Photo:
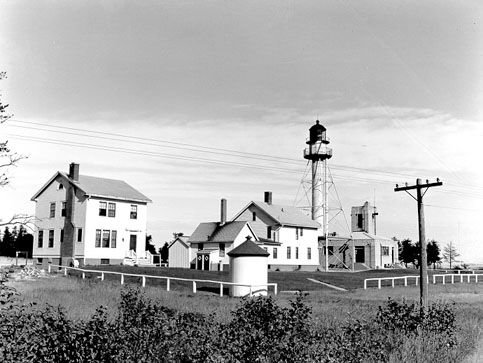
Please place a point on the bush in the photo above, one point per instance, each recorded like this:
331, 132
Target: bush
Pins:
260, 331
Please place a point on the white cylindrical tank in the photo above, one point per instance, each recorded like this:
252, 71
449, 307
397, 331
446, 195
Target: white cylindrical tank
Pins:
249, 267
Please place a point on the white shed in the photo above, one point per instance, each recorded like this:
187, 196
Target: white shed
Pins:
179, 253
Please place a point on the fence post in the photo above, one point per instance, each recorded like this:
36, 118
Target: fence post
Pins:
405, 281
122, 279
444, 279
250, 290
434, 279
275, 288
476, 277
461, 278
452, 278
365, 284
393, 282
167, 284
102, 276
49, 269
221, 290
65, 271
379, 283
83, 276
194, 287
417, 280
143, 279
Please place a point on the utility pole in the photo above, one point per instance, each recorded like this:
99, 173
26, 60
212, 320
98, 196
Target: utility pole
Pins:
423, 262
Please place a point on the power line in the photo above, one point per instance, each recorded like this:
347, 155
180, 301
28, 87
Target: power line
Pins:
187, 146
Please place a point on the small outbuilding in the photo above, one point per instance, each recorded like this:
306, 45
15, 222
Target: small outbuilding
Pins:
249, 268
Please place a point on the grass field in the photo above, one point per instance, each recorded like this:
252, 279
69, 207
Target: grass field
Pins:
287, 281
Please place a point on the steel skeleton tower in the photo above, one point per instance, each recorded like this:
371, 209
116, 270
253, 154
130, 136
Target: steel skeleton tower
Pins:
318, 152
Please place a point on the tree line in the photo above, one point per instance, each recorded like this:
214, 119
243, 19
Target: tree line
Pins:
409, 253
16, 239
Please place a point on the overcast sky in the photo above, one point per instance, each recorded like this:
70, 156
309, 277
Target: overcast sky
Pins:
397, 84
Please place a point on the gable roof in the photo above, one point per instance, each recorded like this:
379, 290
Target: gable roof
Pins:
99, 187
214, 232
283, 215
248, 248
182, 239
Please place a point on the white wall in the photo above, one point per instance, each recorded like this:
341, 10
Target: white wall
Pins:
122, 223
288, 238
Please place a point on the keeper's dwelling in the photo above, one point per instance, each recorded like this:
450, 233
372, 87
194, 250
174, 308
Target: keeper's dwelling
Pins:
90, 219
370, 250
287, 234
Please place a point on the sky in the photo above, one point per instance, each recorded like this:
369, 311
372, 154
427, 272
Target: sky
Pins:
191, 102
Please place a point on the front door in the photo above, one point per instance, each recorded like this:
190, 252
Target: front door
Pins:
133, 242
206, 262
199, 262
360, 254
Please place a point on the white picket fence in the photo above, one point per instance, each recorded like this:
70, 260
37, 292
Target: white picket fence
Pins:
101, 274
439, 278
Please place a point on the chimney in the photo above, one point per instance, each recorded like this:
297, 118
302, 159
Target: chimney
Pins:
223, 212
74, 171
268, 197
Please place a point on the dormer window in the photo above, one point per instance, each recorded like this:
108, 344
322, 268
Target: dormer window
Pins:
254, 216
60, 186
62, 210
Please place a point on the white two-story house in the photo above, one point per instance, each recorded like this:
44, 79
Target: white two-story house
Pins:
285, 232
92, 220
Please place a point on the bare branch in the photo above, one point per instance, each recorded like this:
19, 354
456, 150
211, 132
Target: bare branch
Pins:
26, 220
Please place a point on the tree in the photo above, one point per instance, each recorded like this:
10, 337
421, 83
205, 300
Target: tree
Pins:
149, 245
408, 253
433, 253
8, 159
450, 254
7, 246
164, 252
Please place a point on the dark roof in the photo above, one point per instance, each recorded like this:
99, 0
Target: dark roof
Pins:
248, 248
100, 187
214, 232
285, 215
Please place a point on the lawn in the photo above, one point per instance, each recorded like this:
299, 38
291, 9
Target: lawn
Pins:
287, 281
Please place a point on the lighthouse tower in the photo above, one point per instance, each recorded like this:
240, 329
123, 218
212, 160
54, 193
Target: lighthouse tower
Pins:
318, 152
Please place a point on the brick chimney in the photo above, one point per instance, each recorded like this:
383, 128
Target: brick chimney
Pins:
268, 198
74, 171
223, 212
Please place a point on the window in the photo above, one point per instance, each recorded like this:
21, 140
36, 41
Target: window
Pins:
105, 238
309, 253
301, 231
40, 243
52, 210
79, 234
275, 253
222, 250
102, 208
113, 239
134, 211
254, 216
289, 253
112, 210
98, 238
40, 260
51, 238
60, 187
385, 251
62, 210
296, 253
330, 250
269, 232
62, 235
105, 261
359, 220
200, 246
